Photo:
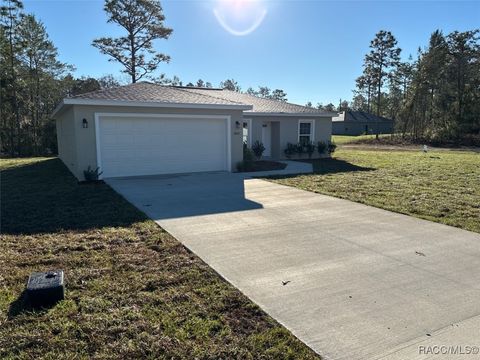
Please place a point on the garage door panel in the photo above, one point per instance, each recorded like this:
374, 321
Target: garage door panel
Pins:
146, 146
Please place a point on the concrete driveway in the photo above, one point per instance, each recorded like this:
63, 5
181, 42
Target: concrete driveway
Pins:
361, 283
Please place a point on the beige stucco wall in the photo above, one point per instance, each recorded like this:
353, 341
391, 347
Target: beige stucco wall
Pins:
66, 139
287, 131
83, 143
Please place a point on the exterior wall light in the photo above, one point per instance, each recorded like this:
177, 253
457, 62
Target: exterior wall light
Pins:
85, 123
237, 124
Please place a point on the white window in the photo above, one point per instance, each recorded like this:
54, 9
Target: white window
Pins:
305, 131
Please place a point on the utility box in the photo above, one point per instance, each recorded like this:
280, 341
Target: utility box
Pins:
45, 288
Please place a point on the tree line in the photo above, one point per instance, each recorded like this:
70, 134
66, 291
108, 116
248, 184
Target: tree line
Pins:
434, 97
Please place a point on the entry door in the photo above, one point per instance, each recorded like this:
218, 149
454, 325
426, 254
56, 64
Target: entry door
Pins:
267, 139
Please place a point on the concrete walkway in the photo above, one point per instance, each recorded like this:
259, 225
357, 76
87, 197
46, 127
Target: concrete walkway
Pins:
360, 282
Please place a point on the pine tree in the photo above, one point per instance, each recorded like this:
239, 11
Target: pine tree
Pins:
10, 17
384, 56
143, 21
231, 85
38, 57
463, 76
279, 94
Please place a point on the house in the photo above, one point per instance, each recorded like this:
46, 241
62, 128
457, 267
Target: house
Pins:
148, 129
360, 122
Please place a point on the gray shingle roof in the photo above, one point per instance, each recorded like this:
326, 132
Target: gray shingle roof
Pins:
259, 104
360, 116
148, 92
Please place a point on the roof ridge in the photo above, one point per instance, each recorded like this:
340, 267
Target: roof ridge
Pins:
100, 91
184, 89
268, 99
250, 95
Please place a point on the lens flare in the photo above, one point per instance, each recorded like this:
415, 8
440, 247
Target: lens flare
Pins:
240, 17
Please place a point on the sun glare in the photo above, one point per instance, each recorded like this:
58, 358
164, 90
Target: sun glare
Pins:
240, 17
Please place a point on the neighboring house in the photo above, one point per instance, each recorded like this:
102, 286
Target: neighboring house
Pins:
360, 122
148, 129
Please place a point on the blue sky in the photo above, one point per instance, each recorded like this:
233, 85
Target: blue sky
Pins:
313, 50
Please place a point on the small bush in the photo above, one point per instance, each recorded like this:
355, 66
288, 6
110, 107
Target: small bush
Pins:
321, 147
92, 175
248, 159
248, 154
290, 150
331, 147
243, 166
309, 149
258, 149
300, 149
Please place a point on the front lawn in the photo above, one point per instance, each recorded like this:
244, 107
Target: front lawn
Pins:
132, 290
351, 139
442, 186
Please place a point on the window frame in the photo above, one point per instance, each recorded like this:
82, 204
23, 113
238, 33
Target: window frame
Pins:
249, 133
312, 129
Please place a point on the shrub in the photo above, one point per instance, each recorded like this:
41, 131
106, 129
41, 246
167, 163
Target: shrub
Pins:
290, 150
92, 175
248, 158
258, 149
243, 166
309, 149
300, 149
331, 147
248, 155
321, 147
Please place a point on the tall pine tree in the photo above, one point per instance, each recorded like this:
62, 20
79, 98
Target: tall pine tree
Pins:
143, 22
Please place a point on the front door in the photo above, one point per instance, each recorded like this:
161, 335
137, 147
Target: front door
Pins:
267, 139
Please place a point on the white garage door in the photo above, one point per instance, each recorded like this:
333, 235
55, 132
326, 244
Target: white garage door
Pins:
131, 146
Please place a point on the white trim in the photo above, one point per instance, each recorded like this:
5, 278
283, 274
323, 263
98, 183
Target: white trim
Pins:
227, 118
184, 116
94, 102
312, 128
57, 109
317, 115
249, 126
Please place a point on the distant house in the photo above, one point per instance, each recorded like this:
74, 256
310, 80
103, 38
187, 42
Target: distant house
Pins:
359, 122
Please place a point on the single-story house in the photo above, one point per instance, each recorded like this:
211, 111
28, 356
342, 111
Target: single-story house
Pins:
149, 129
360, 122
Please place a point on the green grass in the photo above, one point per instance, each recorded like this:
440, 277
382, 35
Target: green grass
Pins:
441, 186
351, 139
132, 290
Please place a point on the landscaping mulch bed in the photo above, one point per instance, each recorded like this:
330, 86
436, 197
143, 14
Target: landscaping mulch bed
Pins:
264, 165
